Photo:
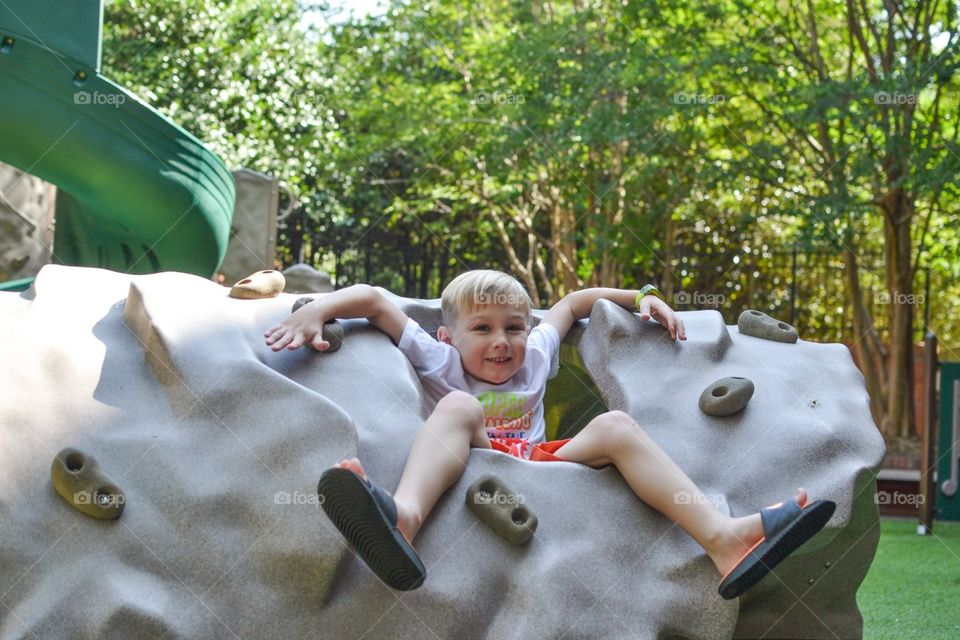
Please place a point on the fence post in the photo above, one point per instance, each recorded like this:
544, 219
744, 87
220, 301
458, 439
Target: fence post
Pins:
793, 287
928, 458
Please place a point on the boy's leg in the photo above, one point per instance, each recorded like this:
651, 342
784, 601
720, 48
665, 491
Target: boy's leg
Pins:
615, 438
438, 457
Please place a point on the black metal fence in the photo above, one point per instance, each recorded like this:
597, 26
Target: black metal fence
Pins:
806, 287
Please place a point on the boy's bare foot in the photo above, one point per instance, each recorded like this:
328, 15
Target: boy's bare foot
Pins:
407, 521
740, 536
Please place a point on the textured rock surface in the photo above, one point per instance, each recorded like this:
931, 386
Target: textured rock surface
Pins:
26, 223
302, 278
218, 444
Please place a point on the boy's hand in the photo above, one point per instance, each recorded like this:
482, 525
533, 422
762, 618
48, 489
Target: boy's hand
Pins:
653, 307
306, 325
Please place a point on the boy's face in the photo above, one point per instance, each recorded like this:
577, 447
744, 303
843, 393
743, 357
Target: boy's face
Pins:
491, 339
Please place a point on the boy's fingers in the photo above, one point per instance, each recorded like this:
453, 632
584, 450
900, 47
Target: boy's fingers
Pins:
644, 308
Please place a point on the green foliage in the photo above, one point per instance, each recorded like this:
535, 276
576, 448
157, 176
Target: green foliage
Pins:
584, 143
238, 74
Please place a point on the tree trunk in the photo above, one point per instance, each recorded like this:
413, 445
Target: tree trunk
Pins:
871, 362
563, 241
898, 213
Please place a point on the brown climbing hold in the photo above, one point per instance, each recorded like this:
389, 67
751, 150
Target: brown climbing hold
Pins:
262, 284
332, 330
78, 479
502, 510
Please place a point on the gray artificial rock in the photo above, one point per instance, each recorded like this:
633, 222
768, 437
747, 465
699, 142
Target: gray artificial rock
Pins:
726, 396
218, 443
26, 223
759, 325
302, 278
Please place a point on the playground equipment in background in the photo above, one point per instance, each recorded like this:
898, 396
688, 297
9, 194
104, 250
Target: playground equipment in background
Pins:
937, 493
137, 193
948, 461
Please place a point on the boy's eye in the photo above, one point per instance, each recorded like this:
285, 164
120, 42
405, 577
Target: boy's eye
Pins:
481, 327
514, 328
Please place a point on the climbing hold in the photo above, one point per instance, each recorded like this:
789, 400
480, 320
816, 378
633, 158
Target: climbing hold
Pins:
332, 330
78, 479
262, 284
300, 302
501, 509
760, 325
726, 396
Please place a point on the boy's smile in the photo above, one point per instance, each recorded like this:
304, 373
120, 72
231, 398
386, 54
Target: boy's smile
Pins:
491, 339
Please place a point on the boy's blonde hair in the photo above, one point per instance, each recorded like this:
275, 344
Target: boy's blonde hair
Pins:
482, 286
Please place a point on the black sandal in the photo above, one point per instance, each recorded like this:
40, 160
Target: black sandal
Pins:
786, 526
366, 515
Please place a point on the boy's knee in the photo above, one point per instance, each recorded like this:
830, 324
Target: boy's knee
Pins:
462, 404
620, 420
619, 427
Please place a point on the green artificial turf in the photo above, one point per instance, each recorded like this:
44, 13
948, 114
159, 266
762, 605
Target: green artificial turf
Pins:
913, 587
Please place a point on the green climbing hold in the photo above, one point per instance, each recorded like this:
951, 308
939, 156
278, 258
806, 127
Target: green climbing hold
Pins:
502, 510
78, 479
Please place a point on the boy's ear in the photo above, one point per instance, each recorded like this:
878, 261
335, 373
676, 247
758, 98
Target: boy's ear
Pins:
443, 335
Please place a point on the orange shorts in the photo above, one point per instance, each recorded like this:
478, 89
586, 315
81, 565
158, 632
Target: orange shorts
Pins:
516, 447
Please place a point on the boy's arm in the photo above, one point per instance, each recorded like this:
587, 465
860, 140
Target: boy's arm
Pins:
578, 304
358, 301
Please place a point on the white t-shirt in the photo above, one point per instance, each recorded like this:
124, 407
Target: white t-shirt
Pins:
511, 410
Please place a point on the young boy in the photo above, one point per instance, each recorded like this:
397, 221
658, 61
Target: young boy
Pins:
488, 372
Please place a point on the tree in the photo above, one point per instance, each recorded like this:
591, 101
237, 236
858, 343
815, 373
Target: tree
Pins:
862, 100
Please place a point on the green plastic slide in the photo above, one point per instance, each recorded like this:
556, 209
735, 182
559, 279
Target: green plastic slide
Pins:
136, 193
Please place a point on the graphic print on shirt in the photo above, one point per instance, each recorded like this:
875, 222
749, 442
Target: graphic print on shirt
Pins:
505, 414
513, 411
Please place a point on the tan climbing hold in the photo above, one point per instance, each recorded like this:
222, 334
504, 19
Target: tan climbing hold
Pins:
262, 284
78, 479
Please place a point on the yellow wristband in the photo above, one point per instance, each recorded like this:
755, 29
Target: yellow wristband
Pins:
647, 290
